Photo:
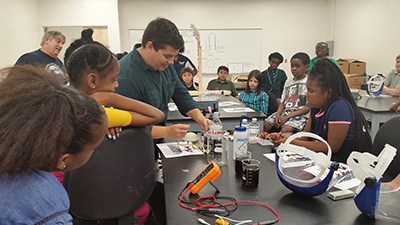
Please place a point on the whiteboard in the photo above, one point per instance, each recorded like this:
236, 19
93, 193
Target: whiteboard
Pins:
238, 49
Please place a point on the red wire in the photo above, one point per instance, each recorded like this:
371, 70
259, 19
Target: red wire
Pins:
301, 173
211, 205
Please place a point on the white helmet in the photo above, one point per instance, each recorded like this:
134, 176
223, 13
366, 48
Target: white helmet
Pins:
375, 85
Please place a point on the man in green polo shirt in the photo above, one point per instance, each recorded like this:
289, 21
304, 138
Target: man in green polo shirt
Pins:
147, 75
221, 83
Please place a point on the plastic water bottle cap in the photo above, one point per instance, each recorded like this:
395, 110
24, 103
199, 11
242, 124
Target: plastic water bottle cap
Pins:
241, 119
240, 128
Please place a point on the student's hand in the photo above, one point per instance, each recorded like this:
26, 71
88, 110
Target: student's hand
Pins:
278, 138
396, 92
284, 120
103, 98
394, 108
178, 131
113, 133
277, 123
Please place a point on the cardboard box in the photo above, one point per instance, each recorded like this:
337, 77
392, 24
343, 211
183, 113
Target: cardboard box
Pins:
351, 66
343, 65
354, 80
240, 81
240, 78
357, 67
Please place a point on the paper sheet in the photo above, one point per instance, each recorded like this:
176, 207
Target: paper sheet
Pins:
238, 110
380, 96
229, 103
173, 149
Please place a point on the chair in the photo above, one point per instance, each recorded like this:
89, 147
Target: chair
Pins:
389, 133
117, 179
272, 103
273, 106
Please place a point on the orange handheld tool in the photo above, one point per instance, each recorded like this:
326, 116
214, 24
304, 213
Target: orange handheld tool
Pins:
210, 173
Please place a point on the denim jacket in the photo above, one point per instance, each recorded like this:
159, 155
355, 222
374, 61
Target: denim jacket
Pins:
34, 198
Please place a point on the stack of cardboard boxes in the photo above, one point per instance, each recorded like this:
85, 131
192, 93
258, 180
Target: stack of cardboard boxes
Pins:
354, 71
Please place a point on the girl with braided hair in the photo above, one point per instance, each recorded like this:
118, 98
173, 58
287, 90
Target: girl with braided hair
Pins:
334, 114
93, 70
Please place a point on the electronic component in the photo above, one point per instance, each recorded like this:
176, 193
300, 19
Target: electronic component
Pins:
210, 173
339, 195
220, 222
207, 107
202, 221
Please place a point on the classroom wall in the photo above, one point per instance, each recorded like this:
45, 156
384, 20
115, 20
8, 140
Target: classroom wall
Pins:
83, 13
363, 29
288, 27
20, 29
22, 22
368, 30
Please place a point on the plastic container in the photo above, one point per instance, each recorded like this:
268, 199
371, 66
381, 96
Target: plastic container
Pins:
217, 150
254, 129
240, 139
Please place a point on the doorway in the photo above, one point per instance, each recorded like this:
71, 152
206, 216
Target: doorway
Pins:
71, 33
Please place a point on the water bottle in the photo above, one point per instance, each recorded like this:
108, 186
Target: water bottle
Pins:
216, 144
254, 129
216, 128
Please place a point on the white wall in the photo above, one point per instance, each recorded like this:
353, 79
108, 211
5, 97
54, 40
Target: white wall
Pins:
368, 30
288, 26
83, 13
363, 29
20, 29
22, 23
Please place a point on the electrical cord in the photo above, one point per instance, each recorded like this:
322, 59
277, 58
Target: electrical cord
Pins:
212, 206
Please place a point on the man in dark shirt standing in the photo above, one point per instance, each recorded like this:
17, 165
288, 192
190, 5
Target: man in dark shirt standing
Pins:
147, 75
52, 43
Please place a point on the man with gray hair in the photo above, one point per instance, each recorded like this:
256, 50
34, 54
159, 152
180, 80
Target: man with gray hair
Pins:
52, 43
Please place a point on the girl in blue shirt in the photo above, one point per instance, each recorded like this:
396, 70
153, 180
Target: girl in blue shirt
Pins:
254, 96
334, 114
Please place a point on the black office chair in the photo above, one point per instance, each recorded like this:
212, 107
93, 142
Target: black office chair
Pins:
117, 179
272, 103
389, 133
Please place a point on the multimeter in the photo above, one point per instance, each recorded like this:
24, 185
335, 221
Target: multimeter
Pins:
210, 173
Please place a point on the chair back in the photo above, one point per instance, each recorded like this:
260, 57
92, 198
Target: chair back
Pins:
389, 133
272, 103
118, 178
